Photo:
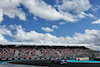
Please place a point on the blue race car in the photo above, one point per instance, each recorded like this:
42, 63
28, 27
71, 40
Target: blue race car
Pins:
63, 62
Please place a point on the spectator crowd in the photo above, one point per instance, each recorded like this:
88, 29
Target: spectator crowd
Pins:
46, 52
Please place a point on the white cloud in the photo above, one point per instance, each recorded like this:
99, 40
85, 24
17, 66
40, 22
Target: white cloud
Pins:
89, 37
54, 26
1, 16
43, 10
76, 6
95, 8
2, 39
5, 31
40, 8
35, 18
47, 29
32, 36
10, 8
96, 22
12, 27
62, 23
83, 15
75, 9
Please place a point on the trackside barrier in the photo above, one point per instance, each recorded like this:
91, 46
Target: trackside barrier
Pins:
47, 58
84, 58
38, 58
32, 58
9, 58
21, 58
3, 59
43, 58
15, 58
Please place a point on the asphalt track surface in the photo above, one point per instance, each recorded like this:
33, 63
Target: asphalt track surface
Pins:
49, 64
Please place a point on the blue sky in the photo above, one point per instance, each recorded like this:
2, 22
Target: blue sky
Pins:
56, 21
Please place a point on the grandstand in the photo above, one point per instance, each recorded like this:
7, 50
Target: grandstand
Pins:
44, 51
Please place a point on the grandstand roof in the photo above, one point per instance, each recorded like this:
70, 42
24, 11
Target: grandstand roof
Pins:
43, 44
